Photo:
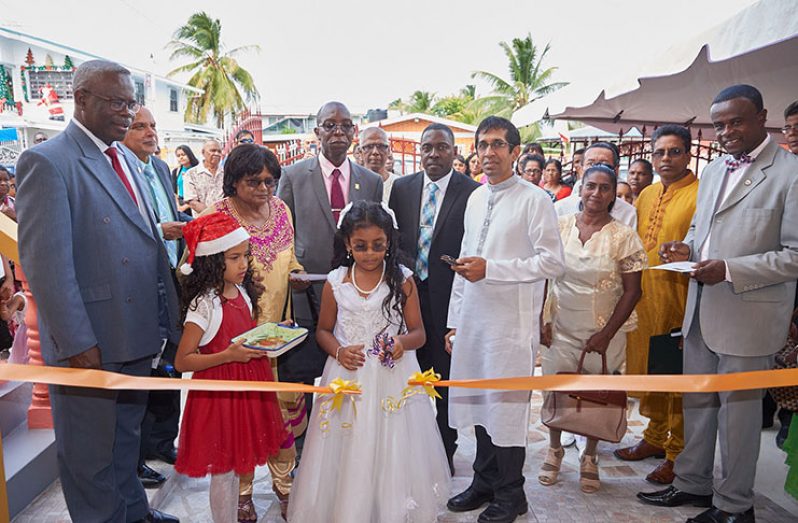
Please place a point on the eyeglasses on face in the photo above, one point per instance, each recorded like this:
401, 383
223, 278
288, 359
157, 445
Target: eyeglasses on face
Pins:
246, 140
254, 183
117, 104
345, 127
672, 152
382, 147
495, 145
787, 129
532, 171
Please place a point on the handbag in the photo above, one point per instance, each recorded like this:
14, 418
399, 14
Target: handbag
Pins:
596, 414
665, 354
786, 397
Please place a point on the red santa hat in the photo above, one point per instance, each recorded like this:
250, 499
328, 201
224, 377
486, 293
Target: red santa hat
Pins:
210, 234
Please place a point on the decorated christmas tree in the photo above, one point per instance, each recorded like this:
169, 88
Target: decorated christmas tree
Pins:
68, 65
29, 58
6, 94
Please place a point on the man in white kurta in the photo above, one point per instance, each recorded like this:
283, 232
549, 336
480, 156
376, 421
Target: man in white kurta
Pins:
511, 244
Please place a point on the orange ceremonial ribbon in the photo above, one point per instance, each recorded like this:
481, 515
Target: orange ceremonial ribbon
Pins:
338, 390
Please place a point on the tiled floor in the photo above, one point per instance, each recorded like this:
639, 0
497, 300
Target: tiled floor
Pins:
563, 502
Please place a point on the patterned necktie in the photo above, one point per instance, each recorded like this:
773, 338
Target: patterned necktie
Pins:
337, 202
425, 231
161, 208
114, 155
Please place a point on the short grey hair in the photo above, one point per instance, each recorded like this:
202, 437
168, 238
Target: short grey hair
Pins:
87, 71
367, 130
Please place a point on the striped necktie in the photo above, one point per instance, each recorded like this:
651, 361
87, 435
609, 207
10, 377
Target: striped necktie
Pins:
425, 230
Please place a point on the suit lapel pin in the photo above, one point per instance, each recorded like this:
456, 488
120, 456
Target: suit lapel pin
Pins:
747, 182
357, 186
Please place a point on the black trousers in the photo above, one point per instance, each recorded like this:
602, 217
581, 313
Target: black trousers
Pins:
499, 469
160, 425
433, 355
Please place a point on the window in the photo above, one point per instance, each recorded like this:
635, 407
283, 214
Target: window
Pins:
140, 92
173, 100
61, 81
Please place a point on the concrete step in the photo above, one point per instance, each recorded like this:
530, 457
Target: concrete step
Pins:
29, 456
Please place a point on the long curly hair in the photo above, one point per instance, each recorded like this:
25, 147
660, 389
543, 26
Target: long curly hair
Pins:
364, 214
208, 274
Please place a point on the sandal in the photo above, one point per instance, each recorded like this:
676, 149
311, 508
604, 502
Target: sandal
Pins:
246, 510
283, 499
589, 474
551, 466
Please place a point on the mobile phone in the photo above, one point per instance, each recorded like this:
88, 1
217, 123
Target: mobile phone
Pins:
448, 259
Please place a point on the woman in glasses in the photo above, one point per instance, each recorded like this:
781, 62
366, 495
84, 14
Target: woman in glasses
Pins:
251, 173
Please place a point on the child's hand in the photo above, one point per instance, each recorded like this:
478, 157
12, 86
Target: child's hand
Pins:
398, 349
352, 356
240, 354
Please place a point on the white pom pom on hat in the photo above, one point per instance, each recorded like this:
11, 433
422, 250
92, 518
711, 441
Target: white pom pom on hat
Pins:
210, 234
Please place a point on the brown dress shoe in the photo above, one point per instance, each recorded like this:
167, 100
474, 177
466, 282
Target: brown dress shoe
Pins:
663, 474
640, 451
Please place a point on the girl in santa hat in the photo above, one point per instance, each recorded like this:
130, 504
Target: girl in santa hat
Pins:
225, 434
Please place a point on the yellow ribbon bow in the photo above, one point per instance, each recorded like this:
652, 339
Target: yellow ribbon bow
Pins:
340, 389
424, 380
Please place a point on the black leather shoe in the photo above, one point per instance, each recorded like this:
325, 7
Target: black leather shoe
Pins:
502, 512
167, 456
150, 478
673, 497
156, 516
716, 515
470, 499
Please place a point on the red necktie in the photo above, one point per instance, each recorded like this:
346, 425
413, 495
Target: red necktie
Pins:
336, 195
114, 155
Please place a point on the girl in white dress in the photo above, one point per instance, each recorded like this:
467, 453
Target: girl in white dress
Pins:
370, 461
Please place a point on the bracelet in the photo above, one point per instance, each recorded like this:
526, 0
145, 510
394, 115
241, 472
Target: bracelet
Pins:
337, 352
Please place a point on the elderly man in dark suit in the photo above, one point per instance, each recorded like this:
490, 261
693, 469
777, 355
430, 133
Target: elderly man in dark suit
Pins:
744, 242
160, 426
316, 190
95, 265
429, 207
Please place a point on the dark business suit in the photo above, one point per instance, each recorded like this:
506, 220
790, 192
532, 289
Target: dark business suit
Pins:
302, 189
434, 292
94, 264
161, 421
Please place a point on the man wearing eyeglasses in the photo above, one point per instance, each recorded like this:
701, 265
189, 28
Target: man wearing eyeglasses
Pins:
39, 137
316, 190
375, 149
665, 210
94, 261
203, 184
511, 245
244, 136
790, 129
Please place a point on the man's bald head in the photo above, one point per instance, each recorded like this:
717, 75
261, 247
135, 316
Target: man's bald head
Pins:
89, 72
331, 107
104, 98
374, 149
373, 132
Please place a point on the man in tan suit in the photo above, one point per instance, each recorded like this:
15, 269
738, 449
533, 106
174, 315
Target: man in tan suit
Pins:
744, 240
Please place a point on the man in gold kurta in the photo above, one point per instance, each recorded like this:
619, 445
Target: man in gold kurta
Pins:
664, 210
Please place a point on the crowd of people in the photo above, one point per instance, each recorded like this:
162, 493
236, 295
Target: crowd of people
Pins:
476, 267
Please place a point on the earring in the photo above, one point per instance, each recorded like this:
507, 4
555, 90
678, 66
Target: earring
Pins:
387, 253
349, 255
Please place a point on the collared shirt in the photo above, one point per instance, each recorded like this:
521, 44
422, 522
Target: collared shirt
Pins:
102, 146
327, 168
201, 185
442, 183
159, 201
731, 183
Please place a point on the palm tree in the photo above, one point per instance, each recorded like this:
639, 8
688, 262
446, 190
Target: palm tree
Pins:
528, 80
225, 84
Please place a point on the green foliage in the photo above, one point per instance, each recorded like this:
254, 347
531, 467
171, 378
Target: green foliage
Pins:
227, 86
528, 80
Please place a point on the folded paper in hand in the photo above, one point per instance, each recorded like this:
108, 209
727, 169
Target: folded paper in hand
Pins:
683, 266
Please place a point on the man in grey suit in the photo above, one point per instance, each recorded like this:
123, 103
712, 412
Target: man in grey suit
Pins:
95, 264
744, 240
316, 190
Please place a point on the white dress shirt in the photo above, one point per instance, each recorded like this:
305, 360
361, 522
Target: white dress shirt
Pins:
102, 146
